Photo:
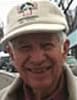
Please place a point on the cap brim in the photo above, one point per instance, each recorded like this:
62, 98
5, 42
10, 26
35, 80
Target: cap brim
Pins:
33, 28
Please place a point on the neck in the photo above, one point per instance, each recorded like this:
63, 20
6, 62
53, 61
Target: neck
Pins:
39, 94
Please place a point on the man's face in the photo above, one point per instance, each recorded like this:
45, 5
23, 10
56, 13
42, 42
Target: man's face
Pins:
38, 59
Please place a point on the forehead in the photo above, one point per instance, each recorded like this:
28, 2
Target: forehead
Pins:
42, 36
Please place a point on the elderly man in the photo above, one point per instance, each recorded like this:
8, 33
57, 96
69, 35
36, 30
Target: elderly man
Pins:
37, 43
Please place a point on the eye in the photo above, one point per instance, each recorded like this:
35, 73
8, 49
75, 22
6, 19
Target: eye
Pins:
48, 46
25, 47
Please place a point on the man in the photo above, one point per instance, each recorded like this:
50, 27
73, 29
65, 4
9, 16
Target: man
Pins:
37, 44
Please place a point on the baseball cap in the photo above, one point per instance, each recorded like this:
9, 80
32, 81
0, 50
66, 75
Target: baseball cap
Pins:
33, 16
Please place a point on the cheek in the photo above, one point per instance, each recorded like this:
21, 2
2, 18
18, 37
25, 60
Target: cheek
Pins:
56, 57
19, 59
57, 60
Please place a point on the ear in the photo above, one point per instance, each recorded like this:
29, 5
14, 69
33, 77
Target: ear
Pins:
9, 49
66, 48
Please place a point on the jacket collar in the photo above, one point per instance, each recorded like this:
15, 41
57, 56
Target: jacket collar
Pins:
71, 83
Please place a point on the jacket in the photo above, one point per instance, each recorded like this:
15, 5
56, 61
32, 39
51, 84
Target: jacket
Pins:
12, 92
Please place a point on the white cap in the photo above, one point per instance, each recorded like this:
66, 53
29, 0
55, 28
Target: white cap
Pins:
39, 15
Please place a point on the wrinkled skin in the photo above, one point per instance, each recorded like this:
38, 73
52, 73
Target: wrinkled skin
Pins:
39, 60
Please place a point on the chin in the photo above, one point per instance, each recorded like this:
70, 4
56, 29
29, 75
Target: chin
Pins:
40, 84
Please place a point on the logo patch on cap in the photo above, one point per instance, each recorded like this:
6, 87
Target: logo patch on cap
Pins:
26, 8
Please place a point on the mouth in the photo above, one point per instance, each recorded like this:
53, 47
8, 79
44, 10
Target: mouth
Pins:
39, 70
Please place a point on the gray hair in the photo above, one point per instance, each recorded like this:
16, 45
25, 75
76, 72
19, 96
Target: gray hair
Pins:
62, 37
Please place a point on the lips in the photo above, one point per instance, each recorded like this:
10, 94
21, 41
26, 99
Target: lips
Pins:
39, 70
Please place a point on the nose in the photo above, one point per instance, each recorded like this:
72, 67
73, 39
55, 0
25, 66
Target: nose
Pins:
37, 57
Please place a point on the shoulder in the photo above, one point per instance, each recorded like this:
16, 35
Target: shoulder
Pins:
10, 91
6, 81
4, 92
6, 78
71, 82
